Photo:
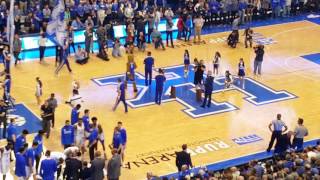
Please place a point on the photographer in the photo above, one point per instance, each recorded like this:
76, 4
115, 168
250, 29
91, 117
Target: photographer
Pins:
259, 50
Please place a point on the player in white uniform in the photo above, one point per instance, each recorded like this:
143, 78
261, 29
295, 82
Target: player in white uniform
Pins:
80, 136
5, 159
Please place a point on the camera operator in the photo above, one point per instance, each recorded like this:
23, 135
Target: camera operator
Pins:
3, 117
259, 50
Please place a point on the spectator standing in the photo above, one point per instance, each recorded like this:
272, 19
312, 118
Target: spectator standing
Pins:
208, 88
97, 166
198, 23
114, 166
16, 48
101, 36
67, 135
73, 167
277, 130
53, 103
183, 158
169, 25
299, 133
151, 23
71, 39
42, 45
87, 39
259, 50
46, 13
48, 167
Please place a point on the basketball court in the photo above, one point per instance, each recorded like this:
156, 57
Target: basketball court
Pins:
235, 125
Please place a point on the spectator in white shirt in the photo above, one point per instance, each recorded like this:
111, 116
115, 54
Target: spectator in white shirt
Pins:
42, 45
198, 23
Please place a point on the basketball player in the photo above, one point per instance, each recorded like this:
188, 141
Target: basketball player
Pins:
148, 65
160, 79
121, 96
216, 62
38, 152
101, 137
228, 80
48, 167
123, 134
75, 114
79, 135
5, 159
85, 120
75, 85
67, 135
20, 168
186, 62
30, 159
75, 99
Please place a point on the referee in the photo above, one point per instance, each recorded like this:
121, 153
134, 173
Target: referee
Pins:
277, 125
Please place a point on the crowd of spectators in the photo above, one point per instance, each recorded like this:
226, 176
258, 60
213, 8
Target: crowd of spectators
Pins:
33, 16
289, 166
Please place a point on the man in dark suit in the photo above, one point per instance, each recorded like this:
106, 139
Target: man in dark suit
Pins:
97, 166
183, 158
208, 88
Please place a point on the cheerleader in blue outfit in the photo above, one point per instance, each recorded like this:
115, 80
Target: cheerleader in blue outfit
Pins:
186, 62
241, 72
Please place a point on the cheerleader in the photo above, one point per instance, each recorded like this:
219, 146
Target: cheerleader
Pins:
241, 72
38, 90
186, 62
216, 62
228, 80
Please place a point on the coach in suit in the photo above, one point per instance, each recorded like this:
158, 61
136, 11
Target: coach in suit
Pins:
114, 166
183, 158
208, 88
97, 166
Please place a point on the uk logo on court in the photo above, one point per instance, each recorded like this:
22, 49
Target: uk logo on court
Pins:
247, 139
255, 92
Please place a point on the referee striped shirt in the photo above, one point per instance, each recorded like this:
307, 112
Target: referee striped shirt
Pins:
278, 125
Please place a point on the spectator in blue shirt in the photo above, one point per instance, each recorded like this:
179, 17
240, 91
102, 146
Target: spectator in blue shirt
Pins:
67, 135
75, 114
148, 65
188, 26
77, 24
93, 139
20, 168
85, 120
48, 167
12, 131
38, 152
160, 79
30, 158
20, 141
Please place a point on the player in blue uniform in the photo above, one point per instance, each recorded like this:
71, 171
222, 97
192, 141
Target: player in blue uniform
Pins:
241, 72
20, 170
12, 132
85, 120
121, 96
67, 135
93, 140
20, 141
30, 158
48, 167
38, 152
7, 87
148, 65
160, 79
75, 114
117, 140
123, 134
186, 62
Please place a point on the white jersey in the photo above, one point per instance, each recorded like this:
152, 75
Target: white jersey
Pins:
79, 135
5, 161
101, 136
57, 155
76, 99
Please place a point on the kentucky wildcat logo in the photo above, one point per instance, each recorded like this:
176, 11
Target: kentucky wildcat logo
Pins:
255, 92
